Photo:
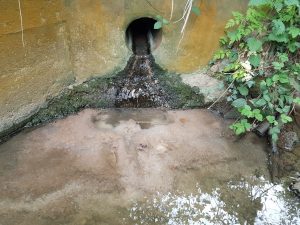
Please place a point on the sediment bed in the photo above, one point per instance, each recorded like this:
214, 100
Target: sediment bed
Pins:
88, 168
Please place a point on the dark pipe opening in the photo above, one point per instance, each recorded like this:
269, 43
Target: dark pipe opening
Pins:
141, 37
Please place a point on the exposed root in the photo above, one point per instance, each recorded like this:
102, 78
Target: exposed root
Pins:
21, 23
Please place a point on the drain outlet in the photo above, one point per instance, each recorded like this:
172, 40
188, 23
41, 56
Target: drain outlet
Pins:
141, 37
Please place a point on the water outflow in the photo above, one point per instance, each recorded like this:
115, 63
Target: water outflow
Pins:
138, 86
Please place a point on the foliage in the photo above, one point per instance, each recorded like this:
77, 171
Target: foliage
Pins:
160, 22
262, 54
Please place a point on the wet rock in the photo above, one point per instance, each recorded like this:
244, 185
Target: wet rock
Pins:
215, 68
288, 140
295, 186
210, 87
138, 87
232, 114
289, 168
219, 66
262, 128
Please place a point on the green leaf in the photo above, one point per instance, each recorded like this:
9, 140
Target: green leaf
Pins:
274, 131
279, 110
269, 82
275, 78
234, 36
241, 127
295, 84
282, 38
286, 109
258, 2
255, 60
261, 102
230, 23
245, 123
294, 31
158, 25
288, 99
293, 46
275, 137
284, 79
243, 90
239, 103
238, 128
271, 106
283, 57
196, 10
278, 6
285, 119
263, 85
246, 111
271, 119
278, 27
257, 115
278, 65
267, 97
254, 44
292, 2
296, 100
250, 83
238, 17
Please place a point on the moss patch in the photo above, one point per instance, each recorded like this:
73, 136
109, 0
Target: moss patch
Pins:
101, 93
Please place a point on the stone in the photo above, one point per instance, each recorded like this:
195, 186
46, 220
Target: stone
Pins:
215, 68
232, 114
288, 140
219, 66
210, 87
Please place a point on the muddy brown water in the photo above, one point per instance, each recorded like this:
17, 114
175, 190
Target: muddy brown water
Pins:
139, 166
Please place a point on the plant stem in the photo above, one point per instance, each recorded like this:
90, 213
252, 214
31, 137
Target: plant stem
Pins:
221, 95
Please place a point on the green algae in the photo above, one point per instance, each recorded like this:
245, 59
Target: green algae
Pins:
100, 92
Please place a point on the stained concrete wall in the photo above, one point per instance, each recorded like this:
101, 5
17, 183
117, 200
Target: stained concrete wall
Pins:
69, 41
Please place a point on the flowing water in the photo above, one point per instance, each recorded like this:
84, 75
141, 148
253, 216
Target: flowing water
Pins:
139, 166
138, 86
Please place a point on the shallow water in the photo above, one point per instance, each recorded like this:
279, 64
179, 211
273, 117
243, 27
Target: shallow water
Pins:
237, 202
139, 166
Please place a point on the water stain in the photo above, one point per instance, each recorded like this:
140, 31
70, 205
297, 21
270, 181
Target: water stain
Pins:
144, 118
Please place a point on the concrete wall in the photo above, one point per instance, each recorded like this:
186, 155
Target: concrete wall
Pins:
69, 41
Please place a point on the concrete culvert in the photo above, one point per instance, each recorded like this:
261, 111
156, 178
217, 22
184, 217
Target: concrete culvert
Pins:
141, 37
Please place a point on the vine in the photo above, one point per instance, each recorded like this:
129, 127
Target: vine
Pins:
261, 51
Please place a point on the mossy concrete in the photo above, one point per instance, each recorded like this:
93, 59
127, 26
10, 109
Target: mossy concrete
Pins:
100, 92
70, 41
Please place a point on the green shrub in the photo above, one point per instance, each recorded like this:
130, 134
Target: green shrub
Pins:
262, 51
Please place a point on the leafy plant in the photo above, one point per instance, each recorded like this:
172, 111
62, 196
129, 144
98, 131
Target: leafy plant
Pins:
262, 53
160, 22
